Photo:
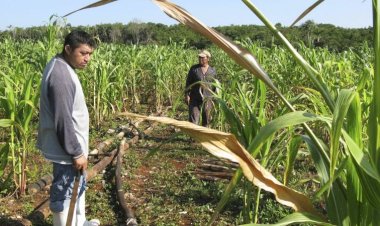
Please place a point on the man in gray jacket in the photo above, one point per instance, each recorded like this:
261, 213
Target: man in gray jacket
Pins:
63, 133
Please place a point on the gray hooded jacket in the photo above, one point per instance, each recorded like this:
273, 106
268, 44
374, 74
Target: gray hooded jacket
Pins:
64, 120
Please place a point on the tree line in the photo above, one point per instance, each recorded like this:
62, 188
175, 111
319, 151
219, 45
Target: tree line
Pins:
309, 33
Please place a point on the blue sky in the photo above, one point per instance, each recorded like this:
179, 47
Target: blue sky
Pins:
343, 13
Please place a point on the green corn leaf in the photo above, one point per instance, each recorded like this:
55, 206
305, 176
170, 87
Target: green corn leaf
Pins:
327, 185
289, 119
9, 98
341, 107
233, 121
370, 192
315, 97
4, 152
291, 154
335, 198
374, 117
6, 122
27, 90
336, 204
29, 101
25, 112
355, 199
354, 117
369, 176
307, 11
361, 158
321, 164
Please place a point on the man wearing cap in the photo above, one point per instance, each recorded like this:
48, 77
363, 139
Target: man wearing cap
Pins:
199, 89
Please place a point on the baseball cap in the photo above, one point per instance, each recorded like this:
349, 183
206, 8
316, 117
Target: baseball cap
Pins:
204, 53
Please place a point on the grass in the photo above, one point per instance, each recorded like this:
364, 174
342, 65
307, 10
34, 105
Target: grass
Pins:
165, 191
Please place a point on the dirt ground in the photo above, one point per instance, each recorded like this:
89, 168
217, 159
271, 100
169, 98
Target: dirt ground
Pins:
161, 189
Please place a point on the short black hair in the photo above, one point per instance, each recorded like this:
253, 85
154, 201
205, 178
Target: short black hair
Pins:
78, 37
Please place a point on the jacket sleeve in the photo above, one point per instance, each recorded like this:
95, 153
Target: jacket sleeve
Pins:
214, 75
61, 94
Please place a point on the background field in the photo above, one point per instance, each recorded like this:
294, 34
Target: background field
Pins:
150, 78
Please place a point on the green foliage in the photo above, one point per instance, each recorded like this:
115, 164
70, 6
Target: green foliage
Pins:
136, 32
334, 157
19, 95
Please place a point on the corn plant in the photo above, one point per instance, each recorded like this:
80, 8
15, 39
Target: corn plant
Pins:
101, 88
130, 75
347, 192
167, 68
19, 101
19, 92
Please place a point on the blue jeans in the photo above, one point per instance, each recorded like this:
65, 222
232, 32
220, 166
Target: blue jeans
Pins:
62, 187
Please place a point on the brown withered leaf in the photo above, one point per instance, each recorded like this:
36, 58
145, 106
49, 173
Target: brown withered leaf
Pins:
96, 4
225, 145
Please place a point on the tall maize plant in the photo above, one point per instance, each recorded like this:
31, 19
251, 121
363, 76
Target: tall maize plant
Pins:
19, 92
347, 162
19, 101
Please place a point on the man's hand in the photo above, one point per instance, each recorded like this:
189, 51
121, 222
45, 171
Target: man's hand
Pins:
187, 99
80, 163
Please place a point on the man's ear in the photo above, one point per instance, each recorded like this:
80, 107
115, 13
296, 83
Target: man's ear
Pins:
68, 49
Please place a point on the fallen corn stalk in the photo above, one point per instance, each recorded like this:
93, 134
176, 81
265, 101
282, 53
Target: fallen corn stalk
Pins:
128, 212
40, 184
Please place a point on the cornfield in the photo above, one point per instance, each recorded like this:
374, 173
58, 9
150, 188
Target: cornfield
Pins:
272, 104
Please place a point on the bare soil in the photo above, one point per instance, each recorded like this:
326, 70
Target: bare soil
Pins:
160, 189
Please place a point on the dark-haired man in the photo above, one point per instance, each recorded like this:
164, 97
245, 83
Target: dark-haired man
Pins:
63, 134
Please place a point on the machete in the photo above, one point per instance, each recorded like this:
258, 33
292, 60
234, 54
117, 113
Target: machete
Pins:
73, 198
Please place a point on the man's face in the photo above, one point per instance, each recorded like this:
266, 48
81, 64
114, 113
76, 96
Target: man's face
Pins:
79, 57
203, 60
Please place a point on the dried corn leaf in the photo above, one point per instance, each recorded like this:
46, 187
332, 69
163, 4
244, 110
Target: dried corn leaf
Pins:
225, 145
93, 5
